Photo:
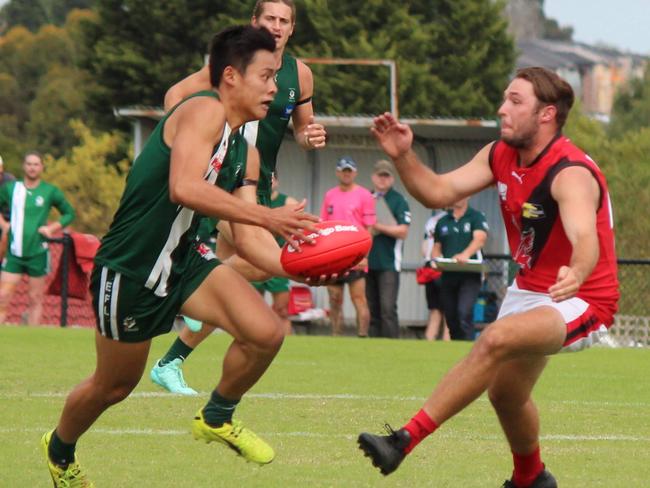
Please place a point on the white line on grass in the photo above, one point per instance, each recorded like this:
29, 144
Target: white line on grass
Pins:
318, 396
314, 435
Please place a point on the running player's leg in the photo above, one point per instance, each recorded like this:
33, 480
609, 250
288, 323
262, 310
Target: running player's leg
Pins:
358, 297
510, 395
226, 298
535, 333
8, 283
167, 372
118, 370
335, 293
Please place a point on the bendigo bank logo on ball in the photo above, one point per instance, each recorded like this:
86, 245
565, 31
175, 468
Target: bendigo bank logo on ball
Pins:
328, 231
337, 246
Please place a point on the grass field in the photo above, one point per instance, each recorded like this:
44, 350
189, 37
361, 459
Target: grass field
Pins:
311, 405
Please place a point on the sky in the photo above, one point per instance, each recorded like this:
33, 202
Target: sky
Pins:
624, 24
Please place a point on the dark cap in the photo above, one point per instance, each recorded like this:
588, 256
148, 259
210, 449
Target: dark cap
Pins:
384, 167
346, 162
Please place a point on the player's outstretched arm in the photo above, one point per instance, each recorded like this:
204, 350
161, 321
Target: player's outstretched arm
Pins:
431, 189
578, 195
197, 81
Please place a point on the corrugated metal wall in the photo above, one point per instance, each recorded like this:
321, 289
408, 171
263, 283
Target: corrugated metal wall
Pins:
309, 175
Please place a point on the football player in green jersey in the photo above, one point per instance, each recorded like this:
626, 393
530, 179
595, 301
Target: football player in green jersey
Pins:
29, 202
151, 266
293, 101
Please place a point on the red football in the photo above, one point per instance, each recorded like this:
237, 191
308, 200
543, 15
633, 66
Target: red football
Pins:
337, 247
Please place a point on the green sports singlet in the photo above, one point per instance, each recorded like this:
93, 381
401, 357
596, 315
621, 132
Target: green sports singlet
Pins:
150, 236
267, 134
29, 209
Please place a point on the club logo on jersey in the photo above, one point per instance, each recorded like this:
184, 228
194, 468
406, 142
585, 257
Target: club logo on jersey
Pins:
518, 177
503, 190
205, 252
217, 159
524, 254
467, 227
532, 211
39, 201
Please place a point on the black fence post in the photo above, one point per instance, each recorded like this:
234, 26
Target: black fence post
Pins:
65, 256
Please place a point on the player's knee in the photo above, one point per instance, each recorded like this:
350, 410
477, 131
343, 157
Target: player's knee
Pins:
493, 342
269, 340
115, 393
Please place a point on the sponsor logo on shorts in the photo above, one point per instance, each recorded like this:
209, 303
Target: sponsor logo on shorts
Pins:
130, 324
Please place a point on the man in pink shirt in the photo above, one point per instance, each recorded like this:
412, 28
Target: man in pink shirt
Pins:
353, 203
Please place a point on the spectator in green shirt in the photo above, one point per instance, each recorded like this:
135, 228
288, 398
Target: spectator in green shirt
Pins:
460, 235
385, 258
30, 201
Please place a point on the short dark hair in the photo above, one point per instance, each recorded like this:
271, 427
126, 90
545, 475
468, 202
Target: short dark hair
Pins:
236, 46
550, 89
33, 153
259, 7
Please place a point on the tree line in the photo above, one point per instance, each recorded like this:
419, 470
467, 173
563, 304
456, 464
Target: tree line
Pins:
65, 65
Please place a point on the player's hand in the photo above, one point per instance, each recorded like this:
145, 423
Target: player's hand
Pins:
324, 280
567, 284
45, 231
315, 135
393, 137
293, 224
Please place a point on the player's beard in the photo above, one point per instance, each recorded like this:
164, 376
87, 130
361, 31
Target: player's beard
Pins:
524, 138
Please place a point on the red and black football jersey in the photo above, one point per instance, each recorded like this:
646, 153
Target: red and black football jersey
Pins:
536, 236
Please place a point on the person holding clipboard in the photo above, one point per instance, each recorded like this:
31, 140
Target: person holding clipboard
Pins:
459, 237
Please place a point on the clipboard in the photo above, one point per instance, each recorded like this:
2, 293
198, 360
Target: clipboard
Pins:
449, 264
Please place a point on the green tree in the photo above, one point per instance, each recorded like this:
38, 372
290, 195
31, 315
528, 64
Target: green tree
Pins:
41, 88
92, 185
631, 109
454, 55
34, 14
141, 48
625, 160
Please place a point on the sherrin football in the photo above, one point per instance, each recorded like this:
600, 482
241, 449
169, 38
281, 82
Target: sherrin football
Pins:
337, 247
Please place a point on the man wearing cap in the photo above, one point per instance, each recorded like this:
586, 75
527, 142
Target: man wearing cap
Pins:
385, 258
353, 203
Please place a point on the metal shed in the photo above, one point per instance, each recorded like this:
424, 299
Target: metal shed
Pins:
443, 144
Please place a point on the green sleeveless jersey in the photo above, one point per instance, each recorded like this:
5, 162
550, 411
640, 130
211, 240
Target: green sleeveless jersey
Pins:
150, 237
29, 208
267, 134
